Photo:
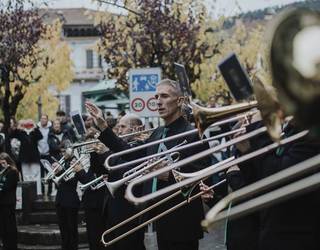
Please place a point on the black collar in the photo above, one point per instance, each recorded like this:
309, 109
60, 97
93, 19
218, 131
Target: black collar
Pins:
176, 123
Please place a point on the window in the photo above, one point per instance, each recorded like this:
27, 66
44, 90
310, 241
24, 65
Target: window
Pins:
100, 61
89, 59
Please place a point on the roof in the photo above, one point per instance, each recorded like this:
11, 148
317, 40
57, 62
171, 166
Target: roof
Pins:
102, 86
70, 16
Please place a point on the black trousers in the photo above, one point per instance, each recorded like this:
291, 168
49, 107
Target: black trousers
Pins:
95, 227
8, 227
68, 224
173, 245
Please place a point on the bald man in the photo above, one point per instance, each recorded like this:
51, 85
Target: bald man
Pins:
128, 124
117, 208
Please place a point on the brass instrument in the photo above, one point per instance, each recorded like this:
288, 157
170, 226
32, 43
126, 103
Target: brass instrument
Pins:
294, 62
204, 117
155, 218
179, 176
307, 184
95, 184
211, 170
190, 145
139, 171
69, 173
51, 171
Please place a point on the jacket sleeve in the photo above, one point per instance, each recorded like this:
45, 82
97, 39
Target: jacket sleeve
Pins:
116, 144
10, 183
36, 135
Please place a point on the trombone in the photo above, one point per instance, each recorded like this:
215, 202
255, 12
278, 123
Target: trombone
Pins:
210, 170
150, 208
299, 187
155, 218
138, 171
184, 134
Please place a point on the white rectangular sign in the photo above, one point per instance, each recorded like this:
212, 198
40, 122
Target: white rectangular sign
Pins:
143, 84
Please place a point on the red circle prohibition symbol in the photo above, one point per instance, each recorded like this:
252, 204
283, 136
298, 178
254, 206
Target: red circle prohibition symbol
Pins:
138, 104
149, 106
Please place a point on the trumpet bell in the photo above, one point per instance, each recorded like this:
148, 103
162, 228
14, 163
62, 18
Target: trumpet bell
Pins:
204, 117
295, 63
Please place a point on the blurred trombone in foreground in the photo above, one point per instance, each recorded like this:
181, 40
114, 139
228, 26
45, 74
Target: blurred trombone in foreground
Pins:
304, 185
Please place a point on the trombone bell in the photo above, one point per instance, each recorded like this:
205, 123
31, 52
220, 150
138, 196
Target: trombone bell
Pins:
204, 117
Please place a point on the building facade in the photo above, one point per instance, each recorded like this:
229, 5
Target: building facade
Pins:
82, 36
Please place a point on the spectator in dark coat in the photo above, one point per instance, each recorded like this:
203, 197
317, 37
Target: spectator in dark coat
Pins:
29, 136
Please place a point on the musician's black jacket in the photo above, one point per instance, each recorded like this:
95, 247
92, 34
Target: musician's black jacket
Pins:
292, 224
67, 195
184, 223
93, 198
8, 186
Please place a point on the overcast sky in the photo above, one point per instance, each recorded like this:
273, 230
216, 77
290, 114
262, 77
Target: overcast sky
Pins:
227, 7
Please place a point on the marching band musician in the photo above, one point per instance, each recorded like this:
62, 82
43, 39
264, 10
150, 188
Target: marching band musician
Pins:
288, 225
9, 178
117, 208
181, 229
67, 199
92, 200
292, 224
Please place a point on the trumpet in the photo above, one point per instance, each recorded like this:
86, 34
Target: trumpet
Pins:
138, 171
82, 147
51, 171
155, 218
95, 184
69, 173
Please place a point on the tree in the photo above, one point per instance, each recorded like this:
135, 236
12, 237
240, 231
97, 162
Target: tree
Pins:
20, 32
55, 67
153, 33
247, 43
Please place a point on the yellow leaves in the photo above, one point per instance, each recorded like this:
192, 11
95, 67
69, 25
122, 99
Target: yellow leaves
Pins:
139, 49
247, 44
54, 67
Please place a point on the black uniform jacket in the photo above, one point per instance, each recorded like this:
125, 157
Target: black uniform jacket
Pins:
8, 186
292, 224
93, 198
67, 195
184, 223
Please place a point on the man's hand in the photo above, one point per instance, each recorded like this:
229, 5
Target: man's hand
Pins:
164, 176
97, 115
100, 148
208, 193
56, 167
78, 167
